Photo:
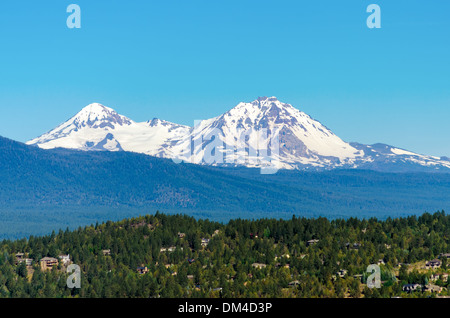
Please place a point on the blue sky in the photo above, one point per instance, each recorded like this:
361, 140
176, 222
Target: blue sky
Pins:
187, 60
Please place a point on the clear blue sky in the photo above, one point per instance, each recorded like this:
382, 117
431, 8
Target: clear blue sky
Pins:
186, 60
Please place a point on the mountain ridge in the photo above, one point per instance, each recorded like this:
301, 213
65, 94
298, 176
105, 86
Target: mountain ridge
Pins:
45, 189
264, 132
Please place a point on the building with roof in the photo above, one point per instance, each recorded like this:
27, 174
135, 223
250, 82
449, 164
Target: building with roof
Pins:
47, 263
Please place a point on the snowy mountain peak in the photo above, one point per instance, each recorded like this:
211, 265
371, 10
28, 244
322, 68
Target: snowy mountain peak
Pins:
96, 115
269, 102
96, 108
263, 103
263, 107
84, 130
266, 100
100, 128
302, 140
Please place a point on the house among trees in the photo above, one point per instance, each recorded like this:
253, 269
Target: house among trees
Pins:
106, 252
432, 288
48, 263
282, 256
311, 242
205, 242
28, 261
381, 262
259, 265
168, 249
20, 259
352, 246
142, 270
444, 255
181, 235
433, 264
342, 272
434, 277
442, 276
411, 287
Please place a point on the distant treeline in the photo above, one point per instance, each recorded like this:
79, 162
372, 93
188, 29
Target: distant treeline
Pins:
41, 190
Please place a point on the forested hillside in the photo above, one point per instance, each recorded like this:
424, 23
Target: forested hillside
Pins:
42, 190
178, 256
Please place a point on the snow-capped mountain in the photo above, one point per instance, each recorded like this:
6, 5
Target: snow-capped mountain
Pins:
97, 127
387, 158
265, 132
292, 138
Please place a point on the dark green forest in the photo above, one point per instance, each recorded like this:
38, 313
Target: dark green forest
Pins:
42, 190
172, 256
